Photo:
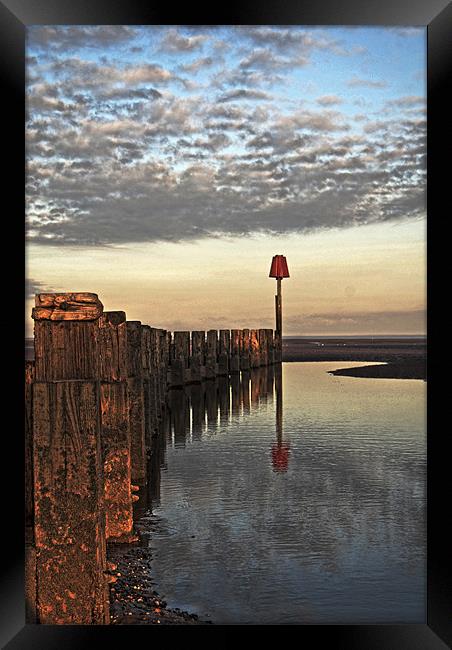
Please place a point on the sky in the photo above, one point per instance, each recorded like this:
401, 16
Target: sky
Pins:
166, 165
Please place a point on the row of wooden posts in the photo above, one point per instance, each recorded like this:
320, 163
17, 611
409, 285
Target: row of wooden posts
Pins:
95, 394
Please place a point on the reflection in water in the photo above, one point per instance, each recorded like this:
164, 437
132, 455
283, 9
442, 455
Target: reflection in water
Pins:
280, 449
328, 529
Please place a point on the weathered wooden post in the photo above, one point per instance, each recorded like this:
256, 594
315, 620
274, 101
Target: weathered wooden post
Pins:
211, 354
115, 431
263, 347
146, 374
197, 358
154, 380
136, 402
270, 350
279, 271
164, 352
69, 512
30, 549
245, 349
235, 351
224, 350
254, 349
179, 362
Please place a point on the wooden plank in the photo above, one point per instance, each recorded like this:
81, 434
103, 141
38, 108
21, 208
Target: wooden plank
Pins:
138, 457
67, 307
254, 349
115, 435
197, 357
134, 355
224, 352
263, 356
69, 506
30, 550
235, 351
270, 349
211, 354
113, 346
66, 350
245, 349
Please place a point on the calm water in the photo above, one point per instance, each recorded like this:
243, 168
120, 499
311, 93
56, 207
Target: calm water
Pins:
293, 499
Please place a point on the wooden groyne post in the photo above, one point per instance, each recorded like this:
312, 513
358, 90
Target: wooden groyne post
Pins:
136, 389
115, 431
69, 514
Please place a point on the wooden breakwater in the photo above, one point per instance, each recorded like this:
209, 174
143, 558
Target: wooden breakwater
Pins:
95, 394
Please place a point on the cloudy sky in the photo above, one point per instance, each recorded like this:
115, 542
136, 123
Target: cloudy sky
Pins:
166, 165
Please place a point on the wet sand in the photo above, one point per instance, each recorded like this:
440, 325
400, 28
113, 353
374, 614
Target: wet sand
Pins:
402, 358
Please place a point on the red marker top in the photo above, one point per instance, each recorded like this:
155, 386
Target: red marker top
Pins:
279, 268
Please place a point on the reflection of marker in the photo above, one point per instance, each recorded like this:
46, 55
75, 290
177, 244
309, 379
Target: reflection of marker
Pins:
280, 449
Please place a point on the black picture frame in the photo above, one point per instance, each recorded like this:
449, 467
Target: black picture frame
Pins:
436, 16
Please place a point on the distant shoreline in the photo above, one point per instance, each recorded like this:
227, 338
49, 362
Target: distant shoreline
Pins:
400, 357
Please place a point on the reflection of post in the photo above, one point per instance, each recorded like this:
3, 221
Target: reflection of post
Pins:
198, 412
223, 394
212, 403
254, 375
235, 390
245, 391
280, 449
180, 416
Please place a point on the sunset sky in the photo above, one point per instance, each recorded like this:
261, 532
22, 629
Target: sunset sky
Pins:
167, 165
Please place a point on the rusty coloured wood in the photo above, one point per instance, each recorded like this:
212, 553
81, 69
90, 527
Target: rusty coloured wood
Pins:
136, 403
69, 504
30, 549
113, 346
245, 349
69, 509
154, 379
254, 349
66, 350
67, 307
224, 352
116, 461
146, 370
134, 355
270, 349
263, 356
235, 351
115, 427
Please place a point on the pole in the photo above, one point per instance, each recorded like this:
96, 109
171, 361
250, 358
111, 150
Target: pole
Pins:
278, 307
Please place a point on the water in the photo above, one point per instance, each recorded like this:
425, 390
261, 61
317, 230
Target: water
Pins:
294, 500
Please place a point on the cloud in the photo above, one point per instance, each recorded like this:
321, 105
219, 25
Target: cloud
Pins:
366, 83
243, 93
32, 287
329, 100
129, 151
174, 41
